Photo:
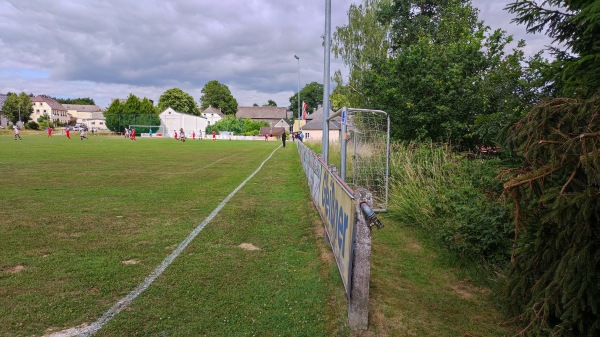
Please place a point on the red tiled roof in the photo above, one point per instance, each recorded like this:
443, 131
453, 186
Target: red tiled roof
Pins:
54, 105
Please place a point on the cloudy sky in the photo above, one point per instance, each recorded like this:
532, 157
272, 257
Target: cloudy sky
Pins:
107, 49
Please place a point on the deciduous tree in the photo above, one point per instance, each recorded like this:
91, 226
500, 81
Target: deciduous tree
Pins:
178, 100
218, 95
133, 112
434, 67
17, 105
359, 43
270, 103
82, 101
311, 94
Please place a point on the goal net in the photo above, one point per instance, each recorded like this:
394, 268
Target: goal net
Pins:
157, 130
366, 160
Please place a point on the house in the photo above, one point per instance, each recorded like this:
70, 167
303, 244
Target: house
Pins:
3, 119
89, 115
212, 115
174, 121
46, 106
272, 131
313, 130
275, 116
299, 123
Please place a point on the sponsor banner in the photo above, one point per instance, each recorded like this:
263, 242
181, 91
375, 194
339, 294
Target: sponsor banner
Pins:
335, 204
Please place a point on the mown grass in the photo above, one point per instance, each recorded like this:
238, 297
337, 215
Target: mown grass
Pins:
84, 222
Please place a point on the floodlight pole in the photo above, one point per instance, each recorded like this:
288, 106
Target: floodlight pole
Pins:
299, 111
326, 79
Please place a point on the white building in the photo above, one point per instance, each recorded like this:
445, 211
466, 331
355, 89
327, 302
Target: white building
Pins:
174, 121
3, 120
313, 130
89, 115
45, 106
212, 115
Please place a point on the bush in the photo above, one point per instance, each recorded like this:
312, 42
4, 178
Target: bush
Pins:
31, 125
453, 199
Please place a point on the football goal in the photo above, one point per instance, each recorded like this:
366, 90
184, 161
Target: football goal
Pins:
157, 130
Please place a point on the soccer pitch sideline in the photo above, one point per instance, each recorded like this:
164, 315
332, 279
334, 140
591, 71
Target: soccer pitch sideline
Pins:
84, 223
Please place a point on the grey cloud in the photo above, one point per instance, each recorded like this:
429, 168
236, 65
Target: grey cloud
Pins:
109, 48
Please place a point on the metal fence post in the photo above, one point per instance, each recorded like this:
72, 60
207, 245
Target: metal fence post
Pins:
358, 304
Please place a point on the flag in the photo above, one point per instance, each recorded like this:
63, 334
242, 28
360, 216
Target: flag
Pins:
304, 105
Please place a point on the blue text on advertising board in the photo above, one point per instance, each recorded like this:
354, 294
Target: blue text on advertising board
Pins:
336, 215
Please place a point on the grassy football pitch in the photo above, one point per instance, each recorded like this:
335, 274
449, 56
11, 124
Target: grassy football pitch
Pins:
83, 223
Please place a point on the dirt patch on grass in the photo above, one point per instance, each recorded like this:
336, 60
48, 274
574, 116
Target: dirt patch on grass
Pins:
377, 320
413, 246
55, 332
132, 261
248, 246
326, 256
465, 290
14, 269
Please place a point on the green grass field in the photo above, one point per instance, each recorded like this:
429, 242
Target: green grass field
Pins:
82, 223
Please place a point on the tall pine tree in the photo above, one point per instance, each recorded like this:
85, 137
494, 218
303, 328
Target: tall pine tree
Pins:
554, 284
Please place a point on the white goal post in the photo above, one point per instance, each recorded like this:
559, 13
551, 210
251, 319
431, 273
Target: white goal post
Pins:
143, 130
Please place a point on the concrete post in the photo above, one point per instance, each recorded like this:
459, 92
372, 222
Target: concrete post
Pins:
358, 304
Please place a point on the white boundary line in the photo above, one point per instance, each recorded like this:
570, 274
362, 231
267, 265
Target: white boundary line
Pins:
125, 301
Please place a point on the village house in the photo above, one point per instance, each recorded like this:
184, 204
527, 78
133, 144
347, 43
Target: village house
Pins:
313, 129
46, 106
3, 119
89, 115
277, 117
212, 115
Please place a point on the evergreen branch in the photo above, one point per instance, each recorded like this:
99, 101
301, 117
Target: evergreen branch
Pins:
570, 180
557, 131
542, 142
589, 135
534, 175
528, 327
517, 216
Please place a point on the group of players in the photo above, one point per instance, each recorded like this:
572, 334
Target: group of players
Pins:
49, 133
128, 133
181, 135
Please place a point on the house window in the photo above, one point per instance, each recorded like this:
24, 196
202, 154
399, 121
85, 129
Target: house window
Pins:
44, 110
307, 135
93, 123
37, 111
208, 122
